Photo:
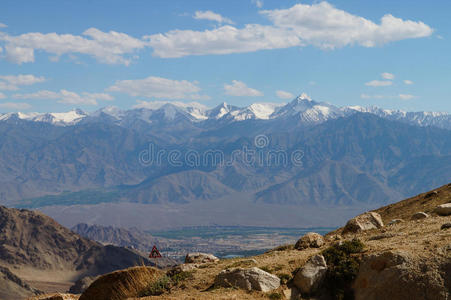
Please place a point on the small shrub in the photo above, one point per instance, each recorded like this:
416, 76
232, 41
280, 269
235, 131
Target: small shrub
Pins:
180, 277
157, 287
342, 268
275, 296
278, 267
283, 248
284, 278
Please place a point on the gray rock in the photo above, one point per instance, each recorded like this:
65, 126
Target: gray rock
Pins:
420, 215
309, 278
445, 226
443, 210
181, 268
310, 240
247, 279
395, 221
398, 276
200, 258
366, 221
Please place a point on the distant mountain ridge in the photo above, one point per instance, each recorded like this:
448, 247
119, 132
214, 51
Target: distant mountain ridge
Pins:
302, 109
346, 158
35, 248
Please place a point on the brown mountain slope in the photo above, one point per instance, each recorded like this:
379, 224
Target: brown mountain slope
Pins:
40, 251
407, 260
425, 202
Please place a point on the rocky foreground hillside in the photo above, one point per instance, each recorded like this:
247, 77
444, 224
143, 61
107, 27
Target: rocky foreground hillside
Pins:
37, 253
401, 251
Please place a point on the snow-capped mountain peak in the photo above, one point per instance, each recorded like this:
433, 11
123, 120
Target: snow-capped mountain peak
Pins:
301, 110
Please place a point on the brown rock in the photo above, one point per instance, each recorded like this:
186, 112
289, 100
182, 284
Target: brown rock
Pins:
200, 258
366, 221
310, 240
397, 276
443, 210
248, 279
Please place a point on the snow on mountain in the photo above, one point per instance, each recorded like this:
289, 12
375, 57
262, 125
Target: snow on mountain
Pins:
61, 119
195, 110
302, 110
255, 111
423, 118
220, 111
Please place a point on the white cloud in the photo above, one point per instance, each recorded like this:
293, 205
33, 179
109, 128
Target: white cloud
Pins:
209, 15
406, 96
67, 97
106, 47
15, 106
258, 3
2, 96
19, 55
12, 82
3, 25
320, 25
378, 83
157, 87
238, 88
408, 82
222, 40
284, 95
325, 26
388, 76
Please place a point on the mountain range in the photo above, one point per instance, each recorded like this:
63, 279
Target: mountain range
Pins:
303, 109
184, 164
38, 253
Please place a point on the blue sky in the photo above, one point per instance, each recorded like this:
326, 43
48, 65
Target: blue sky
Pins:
59, 55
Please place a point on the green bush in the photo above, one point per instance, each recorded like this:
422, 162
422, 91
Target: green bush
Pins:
180, 277
275, 296
342, 268
284, 278
157, 287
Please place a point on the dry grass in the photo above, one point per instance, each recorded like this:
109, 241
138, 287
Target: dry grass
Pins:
420, 238
121, 284
425, 202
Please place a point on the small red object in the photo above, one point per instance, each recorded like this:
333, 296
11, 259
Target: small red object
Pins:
154, 253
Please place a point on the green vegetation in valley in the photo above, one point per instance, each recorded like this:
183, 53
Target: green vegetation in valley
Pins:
89, 197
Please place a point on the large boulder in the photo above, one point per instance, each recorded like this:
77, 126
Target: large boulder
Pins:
200, 258
310, 240
366, 221
121, 284
311, 275
397, 276
247, 279
443, 210
181, 268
